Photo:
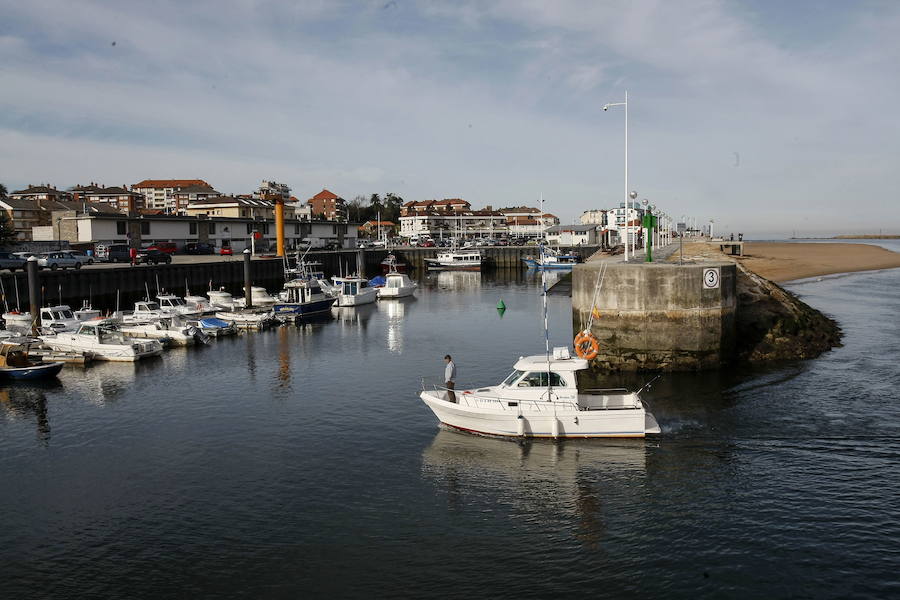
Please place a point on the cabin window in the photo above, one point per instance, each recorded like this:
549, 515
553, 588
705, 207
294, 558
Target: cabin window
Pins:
540, 380
513, 377
45, 314
88, 330
152, 306
349, 288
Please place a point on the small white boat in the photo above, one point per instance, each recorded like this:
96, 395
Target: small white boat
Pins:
104, 341
354, 291
199, 304
397, 285
468, 260
161, 330
541, 399
551, 259
145, 311
259, 296
170, 304
19, 322
247, 318
219, 299
59, 318
87, 312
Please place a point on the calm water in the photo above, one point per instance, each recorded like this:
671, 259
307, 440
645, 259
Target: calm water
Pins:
299, 462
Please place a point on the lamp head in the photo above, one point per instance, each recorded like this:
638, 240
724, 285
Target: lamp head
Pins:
606, 107
632, 195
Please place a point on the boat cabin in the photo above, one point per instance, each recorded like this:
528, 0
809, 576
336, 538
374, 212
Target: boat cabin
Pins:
59, 318
104, 331
302, 290
170, 302
352, 287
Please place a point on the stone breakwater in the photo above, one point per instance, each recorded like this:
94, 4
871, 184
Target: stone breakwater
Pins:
698, 316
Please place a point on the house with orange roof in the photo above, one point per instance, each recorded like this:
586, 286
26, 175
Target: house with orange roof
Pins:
328, 205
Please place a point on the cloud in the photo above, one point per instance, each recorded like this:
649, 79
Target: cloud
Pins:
492, 101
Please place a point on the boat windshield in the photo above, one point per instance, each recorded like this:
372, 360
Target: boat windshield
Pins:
540, 380
63, 314
349, 288
512, 377
151, 306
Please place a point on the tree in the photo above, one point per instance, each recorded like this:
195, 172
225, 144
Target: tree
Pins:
3, 191
7, 232
391, 208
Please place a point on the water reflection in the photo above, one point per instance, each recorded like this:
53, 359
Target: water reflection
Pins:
354, 315
573, 480
105, 382
396, 311
454, 280
27, 401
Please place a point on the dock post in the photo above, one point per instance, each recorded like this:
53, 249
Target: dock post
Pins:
34, 294
248, 286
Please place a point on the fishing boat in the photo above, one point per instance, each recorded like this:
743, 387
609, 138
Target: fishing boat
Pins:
19, 322
466, 260
397, 285
552, 259
302, 298
391, 264
540, 398
165, 331
353, 290
104, 341
16, 364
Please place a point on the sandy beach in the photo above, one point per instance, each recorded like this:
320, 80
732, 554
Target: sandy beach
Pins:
790, 261
779, 261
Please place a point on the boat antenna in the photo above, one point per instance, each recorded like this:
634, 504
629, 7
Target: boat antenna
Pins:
187, 290
157, 284
118, 291
18, 306
544, 294
60, 293
147, 289
648, 384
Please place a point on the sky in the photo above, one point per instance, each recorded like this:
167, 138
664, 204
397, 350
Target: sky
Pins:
776, 117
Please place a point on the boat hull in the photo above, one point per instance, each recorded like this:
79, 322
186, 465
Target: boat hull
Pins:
38, 371
357, 300
398, 292
299, 310
566, 421
534, 264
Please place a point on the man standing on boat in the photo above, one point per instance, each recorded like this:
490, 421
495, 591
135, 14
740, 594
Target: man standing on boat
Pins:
450, 378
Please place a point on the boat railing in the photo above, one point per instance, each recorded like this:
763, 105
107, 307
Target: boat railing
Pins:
470, 396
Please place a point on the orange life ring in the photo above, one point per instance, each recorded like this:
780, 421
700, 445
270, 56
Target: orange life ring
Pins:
586, 345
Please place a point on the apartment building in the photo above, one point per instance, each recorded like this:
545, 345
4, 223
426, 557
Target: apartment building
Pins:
159, 194
329, 206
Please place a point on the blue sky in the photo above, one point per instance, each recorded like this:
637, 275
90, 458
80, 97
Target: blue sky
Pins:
768, 117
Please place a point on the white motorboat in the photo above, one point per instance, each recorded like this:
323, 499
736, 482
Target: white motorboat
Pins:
247, 318
353, 290
467, 260
162, 330
104, 341
397, 285
552, 259
59, 318
302, 298
19, 322
219, 299
145, 311
199, 304
541, 399
259, 296
87, 312
170, 304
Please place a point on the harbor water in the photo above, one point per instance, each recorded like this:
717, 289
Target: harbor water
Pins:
300, 463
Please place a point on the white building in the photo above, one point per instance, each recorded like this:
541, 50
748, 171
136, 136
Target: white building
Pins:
272, 188
473, 223
220, 232
527, 222
594, 217
574, 235
159, 194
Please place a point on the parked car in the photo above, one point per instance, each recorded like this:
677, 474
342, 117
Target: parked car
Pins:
199, 248
57, 260
428, 244
226, 251
153, 257
115, 253
11, 261
167, 247
24, 255
80, 256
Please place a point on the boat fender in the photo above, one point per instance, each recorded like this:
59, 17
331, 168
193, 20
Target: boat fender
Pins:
520, 430
554, 427
586, 345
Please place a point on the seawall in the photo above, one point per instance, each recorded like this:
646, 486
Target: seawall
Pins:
650, 316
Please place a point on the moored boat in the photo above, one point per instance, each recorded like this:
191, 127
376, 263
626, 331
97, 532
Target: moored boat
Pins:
103, 340
468, 260
397, 285
353, 290
16, 364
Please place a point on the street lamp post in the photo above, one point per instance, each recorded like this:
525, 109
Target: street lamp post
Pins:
606, 107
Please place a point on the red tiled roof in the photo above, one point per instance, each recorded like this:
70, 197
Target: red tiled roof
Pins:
326, 195
169, 183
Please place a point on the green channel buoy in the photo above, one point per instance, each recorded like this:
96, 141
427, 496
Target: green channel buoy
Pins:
501, 305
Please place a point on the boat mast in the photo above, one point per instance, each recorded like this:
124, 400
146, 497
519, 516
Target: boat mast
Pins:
544, 293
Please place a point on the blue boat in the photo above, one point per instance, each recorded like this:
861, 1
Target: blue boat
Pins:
15, 364
551, 259
302, 298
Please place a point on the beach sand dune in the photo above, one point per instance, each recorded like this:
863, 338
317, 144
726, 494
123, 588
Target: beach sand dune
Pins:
789, 261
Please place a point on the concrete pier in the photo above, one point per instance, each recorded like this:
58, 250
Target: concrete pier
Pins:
657, 315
